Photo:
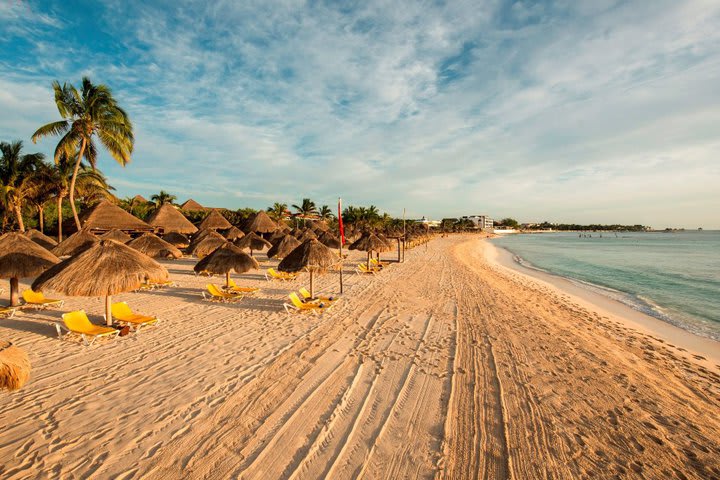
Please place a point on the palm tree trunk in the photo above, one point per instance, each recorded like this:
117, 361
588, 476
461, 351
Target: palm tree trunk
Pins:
18, 215
59, 213
41, 218
72, 184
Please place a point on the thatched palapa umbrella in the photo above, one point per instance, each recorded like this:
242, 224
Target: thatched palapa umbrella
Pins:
283, 247
14, 366
105, 269
253, 242
215, 221
168, 219
75, 243
154, 246
308, 234
226, 258
233, 234
106, 216
41, 239
311, 256
329, 240
200, 236
20, 257
207, 245
277, 235
261, 223
369, 243
177, 239
116, 235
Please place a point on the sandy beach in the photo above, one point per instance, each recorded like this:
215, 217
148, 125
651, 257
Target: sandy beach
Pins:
449, 365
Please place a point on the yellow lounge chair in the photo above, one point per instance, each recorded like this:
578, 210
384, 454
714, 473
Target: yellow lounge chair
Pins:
298, 305
149, 286
78, 322
234, 288
123, 314
215, 294
7, 312
38, 300
362, 268
306, 297
271, 273
377, 263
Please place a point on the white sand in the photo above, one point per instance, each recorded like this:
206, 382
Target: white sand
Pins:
444, 366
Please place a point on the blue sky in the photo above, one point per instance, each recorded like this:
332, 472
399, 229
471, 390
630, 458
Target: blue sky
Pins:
577, 111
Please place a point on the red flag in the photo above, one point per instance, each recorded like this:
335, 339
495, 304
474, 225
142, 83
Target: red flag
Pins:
340, 223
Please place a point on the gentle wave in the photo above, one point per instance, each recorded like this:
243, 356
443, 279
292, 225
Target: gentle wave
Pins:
697, 325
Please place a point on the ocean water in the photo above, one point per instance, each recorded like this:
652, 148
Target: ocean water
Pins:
672, 276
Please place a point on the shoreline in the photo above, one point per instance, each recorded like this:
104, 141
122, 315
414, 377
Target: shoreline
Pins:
616, 310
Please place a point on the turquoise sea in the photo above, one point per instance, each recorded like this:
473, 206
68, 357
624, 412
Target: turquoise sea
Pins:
672, 276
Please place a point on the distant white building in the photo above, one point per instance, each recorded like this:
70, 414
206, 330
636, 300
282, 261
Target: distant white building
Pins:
482, 222
429, 223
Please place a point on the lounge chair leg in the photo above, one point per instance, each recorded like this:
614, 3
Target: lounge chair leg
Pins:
57, 327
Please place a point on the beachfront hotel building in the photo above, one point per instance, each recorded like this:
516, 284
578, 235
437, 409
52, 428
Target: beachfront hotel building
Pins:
483, 222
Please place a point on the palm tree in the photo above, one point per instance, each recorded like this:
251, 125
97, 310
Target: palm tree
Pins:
42, 191
87, 181
277, 211
325, 213
16, 177
162, 198
306, 209
92, 111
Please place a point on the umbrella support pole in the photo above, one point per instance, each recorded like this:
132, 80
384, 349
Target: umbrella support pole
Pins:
108, 310
14, 288
227, 279
312, 290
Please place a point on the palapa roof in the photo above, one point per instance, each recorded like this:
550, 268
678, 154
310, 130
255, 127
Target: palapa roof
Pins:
311, 256
177, 239
20, 257
169, 219
154, 246
252, 241
369, 242
192, 206
106, 268
116, 235
14, 366
233, 233
276, 236
385, 239
41, 239
106, 216
261, 223
215, 221
226, 258
319, 226
75, 243
200, 236
140, 199
329, 240
283, 247
207, 245
307, 235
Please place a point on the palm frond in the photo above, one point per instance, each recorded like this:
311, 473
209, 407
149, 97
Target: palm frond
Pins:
117, 148
51, 129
